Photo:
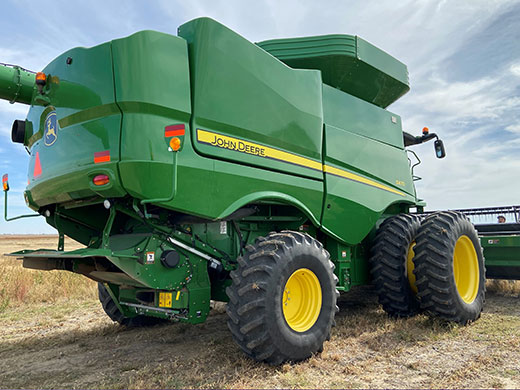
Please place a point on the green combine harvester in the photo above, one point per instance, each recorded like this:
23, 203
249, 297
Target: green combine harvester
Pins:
270, 176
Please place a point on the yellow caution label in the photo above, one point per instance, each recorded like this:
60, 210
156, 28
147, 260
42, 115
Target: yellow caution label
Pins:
165, 299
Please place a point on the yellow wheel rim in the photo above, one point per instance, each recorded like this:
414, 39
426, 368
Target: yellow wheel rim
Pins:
302, 300
466, 269
410, 267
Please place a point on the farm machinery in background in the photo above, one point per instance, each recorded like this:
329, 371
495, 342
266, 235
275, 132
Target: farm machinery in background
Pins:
270, 176
499, 239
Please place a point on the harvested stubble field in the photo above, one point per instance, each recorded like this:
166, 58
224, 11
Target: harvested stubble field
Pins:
54, 334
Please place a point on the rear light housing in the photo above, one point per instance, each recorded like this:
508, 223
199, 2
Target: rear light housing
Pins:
101, 180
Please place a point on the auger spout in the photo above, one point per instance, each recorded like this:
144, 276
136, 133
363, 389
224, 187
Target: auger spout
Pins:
16, 84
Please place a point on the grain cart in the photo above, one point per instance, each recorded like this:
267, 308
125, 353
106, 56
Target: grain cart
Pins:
270, 176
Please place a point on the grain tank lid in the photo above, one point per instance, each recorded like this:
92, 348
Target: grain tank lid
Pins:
348, 63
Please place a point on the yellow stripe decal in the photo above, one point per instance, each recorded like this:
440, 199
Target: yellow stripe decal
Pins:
359, 179
225, 142
231, 143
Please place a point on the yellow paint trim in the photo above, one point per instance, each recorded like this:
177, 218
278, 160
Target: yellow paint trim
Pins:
238, 145
231, 143
178, 295
359, 179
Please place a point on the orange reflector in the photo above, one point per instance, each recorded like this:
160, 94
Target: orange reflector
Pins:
41, 78
174, 130
37, 166
425, 130
101, 180
5, 182
175, 144
100, 157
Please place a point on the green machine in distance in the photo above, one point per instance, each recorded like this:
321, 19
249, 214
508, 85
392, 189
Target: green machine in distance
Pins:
270, 176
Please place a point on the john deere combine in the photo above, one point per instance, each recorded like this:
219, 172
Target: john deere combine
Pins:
204, 167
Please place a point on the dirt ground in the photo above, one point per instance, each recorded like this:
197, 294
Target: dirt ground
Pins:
70, 343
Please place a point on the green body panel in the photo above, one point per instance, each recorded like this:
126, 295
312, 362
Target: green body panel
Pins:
222, 187
348, 63
385, 164
241, 91
366, 142
152, 87
365, 203
16, 84
82, 96
357, 116
502, 254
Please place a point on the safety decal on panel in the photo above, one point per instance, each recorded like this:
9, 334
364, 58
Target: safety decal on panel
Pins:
150, 257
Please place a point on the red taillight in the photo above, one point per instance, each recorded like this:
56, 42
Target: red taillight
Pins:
101, 180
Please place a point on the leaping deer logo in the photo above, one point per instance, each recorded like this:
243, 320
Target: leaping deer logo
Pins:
50, 129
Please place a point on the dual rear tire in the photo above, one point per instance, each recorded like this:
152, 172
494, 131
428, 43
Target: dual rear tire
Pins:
449, 267
435, 266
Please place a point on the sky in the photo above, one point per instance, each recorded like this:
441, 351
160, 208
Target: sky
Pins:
463, 60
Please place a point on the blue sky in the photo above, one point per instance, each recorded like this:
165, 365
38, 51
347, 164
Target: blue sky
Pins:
463, 58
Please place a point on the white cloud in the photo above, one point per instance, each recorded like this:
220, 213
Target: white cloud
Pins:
479, 99
515, 69
514, 128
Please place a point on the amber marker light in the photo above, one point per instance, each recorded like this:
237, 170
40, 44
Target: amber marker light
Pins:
425, 130
41, 78
101, 180
175, 144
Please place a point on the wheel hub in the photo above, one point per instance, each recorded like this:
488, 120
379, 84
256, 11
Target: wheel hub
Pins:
465, 269
302, 298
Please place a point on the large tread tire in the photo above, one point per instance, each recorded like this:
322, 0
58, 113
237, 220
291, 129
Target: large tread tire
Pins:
255, 308
388, 265
115, 314
451, 282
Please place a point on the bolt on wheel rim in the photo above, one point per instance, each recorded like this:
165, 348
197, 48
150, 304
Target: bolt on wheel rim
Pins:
302, 298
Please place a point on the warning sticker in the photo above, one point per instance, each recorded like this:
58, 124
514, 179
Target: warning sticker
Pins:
150, 257
165, 299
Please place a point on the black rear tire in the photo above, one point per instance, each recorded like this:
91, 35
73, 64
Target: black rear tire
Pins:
449, 267
389, 265
115, 314
274, 269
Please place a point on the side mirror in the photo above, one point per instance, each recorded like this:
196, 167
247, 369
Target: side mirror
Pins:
439, 149
5, 182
